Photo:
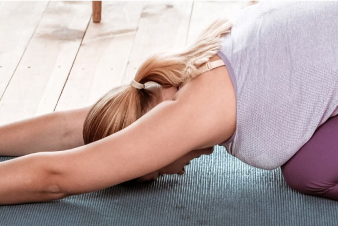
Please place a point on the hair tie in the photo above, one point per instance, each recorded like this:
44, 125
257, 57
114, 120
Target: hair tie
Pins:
137, 85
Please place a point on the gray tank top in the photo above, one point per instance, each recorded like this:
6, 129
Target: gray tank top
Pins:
282, 58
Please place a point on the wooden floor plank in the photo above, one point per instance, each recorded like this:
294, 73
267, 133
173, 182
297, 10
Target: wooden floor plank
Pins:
163, 24
205, 13
103, 56
38, 81
18, 22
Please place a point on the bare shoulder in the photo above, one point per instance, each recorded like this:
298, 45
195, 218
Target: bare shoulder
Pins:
214, 95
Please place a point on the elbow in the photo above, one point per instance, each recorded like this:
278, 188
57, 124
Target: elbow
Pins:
59, 183
54, 192
51, 181
60, 180
51, 189
30, 179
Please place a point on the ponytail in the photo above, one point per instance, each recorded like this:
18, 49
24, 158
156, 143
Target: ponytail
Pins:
173, 68
123, 105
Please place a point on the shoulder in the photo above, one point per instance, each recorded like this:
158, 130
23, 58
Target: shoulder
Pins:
212, 94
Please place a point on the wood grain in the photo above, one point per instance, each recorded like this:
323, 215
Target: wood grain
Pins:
37, 83
204, 13
18, 23
103, 56
163, 25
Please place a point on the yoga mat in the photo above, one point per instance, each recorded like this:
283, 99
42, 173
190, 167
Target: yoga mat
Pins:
216, 190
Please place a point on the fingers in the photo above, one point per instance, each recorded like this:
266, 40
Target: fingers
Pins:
181, 172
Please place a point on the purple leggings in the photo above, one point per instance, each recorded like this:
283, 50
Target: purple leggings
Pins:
313, 170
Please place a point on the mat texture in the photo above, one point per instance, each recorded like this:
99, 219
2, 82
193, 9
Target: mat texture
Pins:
216, 190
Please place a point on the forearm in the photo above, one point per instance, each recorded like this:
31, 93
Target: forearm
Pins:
49, 132
28, 179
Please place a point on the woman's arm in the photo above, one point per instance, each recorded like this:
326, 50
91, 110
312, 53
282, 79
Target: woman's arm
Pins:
28, 179
56, 131
201, 116
197, 119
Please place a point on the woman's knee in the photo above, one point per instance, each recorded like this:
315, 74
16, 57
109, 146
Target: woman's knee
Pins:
306, 182
295, 178
313, 169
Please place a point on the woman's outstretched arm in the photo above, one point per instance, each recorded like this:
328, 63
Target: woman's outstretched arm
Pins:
195, 120
55, 131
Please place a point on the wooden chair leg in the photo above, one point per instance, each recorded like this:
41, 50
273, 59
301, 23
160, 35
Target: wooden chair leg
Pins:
97, 7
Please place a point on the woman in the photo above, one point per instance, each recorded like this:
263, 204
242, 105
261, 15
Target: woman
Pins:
242, 86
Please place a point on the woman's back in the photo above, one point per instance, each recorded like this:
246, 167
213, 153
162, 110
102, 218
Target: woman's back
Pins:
282, 57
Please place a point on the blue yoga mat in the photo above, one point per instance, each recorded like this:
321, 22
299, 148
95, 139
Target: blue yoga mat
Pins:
216, 190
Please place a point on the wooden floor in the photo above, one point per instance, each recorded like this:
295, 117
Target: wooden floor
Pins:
53, 57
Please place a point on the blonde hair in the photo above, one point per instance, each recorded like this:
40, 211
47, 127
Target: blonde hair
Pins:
123, 105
